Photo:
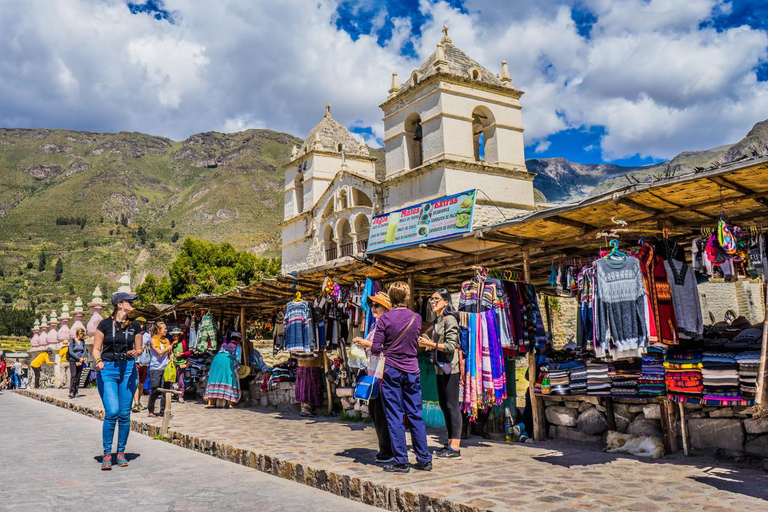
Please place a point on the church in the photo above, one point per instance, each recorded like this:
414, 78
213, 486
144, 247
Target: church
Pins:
453, 127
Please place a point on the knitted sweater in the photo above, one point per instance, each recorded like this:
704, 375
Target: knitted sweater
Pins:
685, 297
621, 308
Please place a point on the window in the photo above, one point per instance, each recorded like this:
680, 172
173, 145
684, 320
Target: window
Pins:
415, 77
414, 135
298, 192
484, 135
343, 200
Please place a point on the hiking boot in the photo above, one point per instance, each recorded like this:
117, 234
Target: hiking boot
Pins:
448, 453
397, 468
106, 462
121, 460
384, 459
426, 466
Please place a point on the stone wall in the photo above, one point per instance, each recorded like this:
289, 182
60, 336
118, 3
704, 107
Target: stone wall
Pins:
743, 298
729, 431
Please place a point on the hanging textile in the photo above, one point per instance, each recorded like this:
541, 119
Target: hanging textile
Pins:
662, 319
299, 329
621, 308
206, 335
685, 296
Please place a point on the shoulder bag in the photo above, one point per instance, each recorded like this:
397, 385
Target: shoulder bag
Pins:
368, 387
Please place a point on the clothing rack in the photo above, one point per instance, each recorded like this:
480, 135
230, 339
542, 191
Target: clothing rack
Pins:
497, 273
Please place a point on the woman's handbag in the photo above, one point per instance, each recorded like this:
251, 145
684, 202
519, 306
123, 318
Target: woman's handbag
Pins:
169, 375
144, 357
367, 388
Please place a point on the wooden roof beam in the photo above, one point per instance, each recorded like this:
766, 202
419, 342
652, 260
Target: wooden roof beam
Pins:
738, 188
570, 223
637, 206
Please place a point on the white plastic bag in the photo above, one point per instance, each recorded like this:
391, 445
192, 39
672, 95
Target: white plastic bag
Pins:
356, 357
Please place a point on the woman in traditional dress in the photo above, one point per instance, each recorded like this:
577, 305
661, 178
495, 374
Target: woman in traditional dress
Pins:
223, 387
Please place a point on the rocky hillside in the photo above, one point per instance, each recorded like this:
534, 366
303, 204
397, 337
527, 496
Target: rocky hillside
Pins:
561, 181
103, 202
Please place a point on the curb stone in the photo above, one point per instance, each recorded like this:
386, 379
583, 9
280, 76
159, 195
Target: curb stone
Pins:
365, 491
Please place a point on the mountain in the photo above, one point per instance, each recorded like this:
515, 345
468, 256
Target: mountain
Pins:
103, 202
563, 181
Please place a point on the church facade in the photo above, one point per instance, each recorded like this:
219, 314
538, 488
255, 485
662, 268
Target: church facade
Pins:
452, 126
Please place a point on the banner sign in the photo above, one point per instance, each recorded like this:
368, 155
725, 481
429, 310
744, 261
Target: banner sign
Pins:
439, 218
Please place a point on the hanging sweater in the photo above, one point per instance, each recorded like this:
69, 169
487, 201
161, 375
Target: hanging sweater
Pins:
621, 309
685, 297
663, 323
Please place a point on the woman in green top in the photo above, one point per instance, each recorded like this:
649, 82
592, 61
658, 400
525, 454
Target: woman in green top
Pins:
445, 356
181, 355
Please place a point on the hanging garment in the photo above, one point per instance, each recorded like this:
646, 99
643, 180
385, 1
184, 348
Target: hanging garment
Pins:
662, 319
206, 336
621, 309
299, 329
685, 296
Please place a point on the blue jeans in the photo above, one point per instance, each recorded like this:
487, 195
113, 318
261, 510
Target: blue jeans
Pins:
401, 394
117, 383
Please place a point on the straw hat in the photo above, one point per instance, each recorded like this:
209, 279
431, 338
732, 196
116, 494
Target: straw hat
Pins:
176, 330
382, 299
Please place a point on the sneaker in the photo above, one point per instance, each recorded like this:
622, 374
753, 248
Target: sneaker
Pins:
423, 466
121, 460
106, 462
71, 396
448, 453
397, 468
382, 459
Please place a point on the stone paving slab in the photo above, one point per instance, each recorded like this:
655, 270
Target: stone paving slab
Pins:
338, 457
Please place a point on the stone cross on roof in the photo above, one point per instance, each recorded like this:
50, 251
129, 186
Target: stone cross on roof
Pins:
445, 39
327, 110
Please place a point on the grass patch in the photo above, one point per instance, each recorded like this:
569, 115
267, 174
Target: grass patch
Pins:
159, 437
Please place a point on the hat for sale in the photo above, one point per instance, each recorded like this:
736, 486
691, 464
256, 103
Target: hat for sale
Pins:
176, 330
235, 334
141, 319
122, 297
741, 322
750, 335
243, 371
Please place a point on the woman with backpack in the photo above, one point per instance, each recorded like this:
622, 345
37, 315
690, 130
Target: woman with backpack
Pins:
76, 356
444, 345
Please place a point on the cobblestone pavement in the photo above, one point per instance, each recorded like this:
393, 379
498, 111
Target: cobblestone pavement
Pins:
337, 456
49, 462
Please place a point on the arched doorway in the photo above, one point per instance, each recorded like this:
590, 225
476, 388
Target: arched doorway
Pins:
414, 135
330, 245
345, 237
362, 230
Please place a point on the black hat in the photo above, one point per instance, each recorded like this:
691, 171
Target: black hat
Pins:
122, 296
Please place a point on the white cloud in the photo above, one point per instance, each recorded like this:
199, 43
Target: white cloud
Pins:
649, 74
542, 146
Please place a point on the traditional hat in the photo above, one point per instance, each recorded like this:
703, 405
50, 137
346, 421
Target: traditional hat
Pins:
176, 330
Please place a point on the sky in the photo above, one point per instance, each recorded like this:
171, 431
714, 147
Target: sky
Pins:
621, 81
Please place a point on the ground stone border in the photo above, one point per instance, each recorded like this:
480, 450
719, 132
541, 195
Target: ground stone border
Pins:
365, 491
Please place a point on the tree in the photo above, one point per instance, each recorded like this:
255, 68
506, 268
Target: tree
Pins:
41, 261
85, 243
16, 322
101, 220
58, 270
204, 267
173, 224
111, 232
124, 220
30, 265
175, 237
2, 273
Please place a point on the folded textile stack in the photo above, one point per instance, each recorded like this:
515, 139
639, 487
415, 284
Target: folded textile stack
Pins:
559, 381
683, 375
578, 378
720, 374
598, 381
651, 381
749, 364
748, 339
624, 382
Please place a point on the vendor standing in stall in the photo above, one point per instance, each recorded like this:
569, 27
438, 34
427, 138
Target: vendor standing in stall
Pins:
223, 386
444, 345
160, 351
379, 305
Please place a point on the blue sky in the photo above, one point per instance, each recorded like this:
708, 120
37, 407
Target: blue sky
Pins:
622, 81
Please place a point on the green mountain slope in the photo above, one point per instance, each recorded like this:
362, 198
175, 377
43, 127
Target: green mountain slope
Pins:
134, 191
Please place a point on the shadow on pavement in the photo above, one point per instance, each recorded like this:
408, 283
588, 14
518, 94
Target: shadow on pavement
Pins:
365, 456
129, 456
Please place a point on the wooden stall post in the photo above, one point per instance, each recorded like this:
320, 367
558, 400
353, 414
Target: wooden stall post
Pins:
410, 296
610, 414
537, 406
668, 426
167, 412
243, 337
683, 428
326, 368
761, 401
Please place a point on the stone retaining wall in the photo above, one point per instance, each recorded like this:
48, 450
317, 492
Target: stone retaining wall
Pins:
729, 430
383, 496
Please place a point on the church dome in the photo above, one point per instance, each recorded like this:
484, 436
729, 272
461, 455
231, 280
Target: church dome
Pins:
330, 135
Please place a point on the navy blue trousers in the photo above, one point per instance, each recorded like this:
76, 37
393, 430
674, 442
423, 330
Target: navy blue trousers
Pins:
401, 394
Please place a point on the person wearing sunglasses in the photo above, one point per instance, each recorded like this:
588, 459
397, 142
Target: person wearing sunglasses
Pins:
379, 305
116, 343
444, 345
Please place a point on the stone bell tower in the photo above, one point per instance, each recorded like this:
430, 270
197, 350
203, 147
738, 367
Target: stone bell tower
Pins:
452, 126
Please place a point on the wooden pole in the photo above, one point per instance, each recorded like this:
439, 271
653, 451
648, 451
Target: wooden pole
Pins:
167, 412
326, 367
410, 296
537, 407
610, 414
683, 428
761, 405
243, 337
668, 426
